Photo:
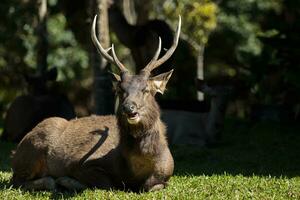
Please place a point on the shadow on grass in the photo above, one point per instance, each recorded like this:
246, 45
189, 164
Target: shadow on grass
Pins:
4, 184
63, 194
261, 149
5, 155
58, 194
5, 162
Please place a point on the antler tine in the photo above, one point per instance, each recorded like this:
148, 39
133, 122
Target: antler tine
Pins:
170, 51
155, 57
102, 51
117, 61
97, 44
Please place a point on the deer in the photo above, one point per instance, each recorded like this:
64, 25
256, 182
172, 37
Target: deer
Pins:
128, 150
199, 128
27, 110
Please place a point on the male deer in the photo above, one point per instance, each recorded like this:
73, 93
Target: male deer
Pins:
41, 102
127, 150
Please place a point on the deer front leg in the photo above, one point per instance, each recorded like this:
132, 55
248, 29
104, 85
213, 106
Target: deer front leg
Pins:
45, 183
162, 172
70, 183
154, 183
94, 176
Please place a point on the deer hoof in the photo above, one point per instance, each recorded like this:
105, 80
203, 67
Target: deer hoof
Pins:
156, 187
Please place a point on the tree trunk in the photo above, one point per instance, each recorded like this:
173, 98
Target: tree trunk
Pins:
42, 37
142, 8
103, 94
136, 12
129, 11
200, 69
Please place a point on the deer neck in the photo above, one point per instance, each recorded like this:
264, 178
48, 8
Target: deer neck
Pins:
143, 139
216, 115
217, 108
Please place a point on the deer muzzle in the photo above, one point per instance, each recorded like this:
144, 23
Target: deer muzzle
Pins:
130, 110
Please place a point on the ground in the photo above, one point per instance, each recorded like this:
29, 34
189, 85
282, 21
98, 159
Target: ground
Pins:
254, 161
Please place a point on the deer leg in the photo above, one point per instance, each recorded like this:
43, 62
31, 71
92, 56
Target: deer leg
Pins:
45, 183
154, 183
94, 177
70, 183
157, 187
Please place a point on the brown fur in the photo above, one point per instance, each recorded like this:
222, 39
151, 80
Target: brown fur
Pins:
127, 150
99, 151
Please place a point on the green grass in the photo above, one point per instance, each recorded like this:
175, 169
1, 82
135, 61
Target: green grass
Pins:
260, 161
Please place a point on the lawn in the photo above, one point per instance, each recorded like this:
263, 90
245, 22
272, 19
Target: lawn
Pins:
254, 161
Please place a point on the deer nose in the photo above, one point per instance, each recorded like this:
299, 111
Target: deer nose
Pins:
129, 108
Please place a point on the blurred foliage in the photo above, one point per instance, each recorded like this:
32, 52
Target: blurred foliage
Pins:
15, 23
65, 52
239, 22
18, 49
256, 42
199, 18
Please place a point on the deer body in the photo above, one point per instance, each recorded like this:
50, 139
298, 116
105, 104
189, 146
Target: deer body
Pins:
127, 150
88, 149
199, 128
28, 110
185, 127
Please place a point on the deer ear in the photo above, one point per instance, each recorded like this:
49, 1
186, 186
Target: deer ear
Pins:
51, 75
202, 86
28, 78
160, 81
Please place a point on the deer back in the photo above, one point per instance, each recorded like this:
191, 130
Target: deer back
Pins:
27, 111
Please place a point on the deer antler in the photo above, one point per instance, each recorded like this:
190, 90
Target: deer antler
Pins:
154, 63
104, 52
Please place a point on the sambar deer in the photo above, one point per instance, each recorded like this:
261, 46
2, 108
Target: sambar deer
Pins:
128, 150
199, 128
41, 102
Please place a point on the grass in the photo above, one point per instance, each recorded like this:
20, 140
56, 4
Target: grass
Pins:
255, 161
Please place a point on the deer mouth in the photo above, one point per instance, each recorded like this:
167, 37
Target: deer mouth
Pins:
133, 118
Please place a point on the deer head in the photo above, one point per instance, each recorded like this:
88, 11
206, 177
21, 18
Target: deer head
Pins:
136, 91
37, 84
